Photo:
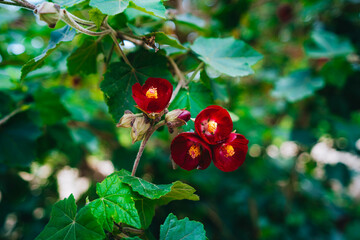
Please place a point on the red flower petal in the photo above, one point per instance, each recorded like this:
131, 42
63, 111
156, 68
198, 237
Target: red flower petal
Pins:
230, 155
154, 95
213, 124
189, 151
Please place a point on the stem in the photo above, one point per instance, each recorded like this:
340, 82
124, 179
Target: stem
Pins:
67, 18
201, 65
25, 4
10, 3
7, 117
143, 144
119, 50
138, 156
182, 81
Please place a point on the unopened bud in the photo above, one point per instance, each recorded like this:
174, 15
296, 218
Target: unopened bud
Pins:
140, 127
127, 120
176, 118
49, 13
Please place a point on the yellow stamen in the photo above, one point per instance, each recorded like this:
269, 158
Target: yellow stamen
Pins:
229, 150
194, 151
152, 93
212, 125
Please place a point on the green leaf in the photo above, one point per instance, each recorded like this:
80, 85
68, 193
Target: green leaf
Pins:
120, 78
195, 99
49, 106
226, 55
174, 191
153, 195
164, 39
83, 59
113, 7
65, 34
110, 7
190, 20
146, 210
67, 3
146, 189
174, 229
326, 44
18, 140
179, 191
297, 85
152, 7
336, 71
115, 204
96, 16
65, 223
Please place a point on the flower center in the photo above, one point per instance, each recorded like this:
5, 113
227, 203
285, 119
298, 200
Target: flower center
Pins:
212, 125
152, 93
194, 151
229, 150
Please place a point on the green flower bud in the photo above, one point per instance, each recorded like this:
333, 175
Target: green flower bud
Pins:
49, 13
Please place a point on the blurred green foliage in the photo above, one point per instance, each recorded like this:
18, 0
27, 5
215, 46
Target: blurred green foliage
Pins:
300, 112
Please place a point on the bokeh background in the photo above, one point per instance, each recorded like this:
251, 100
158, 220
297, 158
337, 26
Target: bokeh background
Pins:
300, 112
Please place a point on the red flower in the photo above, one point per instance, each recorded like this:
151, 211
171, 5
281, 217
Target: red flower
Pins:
230, 155
153, 96
213, 124
189, 151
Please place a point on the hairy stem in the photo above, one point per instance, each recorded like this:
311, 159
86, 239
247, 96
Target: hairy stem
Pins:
143, 144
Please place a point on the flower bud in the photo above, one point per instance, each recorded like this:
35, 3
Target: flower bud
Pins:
140, 127
49, 13
177, 118
127, 120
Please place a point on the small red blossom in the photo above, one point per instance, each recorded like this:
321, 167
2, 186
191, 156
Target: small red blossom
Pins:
213, 124
189, 151
153, 96
230, 155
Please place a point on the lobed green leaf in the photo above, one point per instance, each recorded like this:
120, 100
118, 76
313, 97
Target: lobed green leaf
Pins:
174, 229
65, 223
227, 55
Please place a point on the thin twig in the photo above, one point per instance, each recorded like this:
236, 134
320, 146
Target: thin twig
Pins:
7, 117
25, 4
182, 81
143, 144
10, 3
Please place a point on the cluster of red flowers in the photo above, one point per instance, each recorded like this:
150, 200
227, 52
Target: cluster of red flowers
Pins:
213, 140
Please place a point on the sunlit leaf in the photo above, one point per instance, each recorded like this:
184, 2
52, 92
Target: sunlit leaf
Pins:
113, 7
227, 55
67, 3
